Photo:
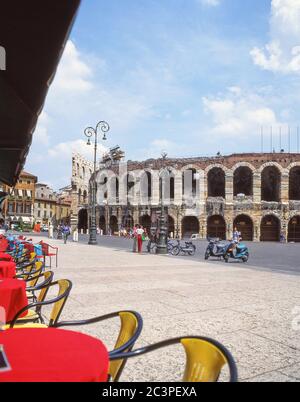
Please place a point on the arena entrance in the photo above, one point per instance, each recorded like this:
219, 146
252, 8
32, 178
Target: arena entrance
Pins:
102, 224
113, 225
83, 220
270, 228
244, 225
294, 230
216, 227
171, 226
190, 225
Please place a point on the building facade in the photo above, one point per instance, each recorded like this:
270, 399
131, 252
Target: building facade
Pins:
257, 193
63, 205
45, 204
81, 173
19, 205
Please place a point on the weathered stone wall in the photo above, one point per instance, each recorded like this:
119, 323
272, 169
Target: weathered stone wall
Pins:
229, 207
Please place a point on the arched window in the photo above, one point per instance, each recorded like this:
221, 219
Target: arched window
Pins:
270, 184
294, 186
189, 183
216, 182
243, 181
167, 186
146, 187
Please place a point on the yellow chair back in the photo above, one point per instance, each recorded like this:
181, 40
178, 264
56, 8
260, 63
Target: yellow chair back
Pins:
204, 361
129, 325
64, 289
38, 268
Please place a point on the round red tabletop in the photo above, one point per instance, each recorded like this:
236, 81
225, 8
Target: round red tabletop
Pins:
12, 297
7, 269
53, 355
5, 257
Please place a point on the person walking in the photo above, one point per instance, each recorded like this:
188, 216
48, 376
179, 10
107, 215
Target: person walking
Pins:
134, 234
140, 233
66, 232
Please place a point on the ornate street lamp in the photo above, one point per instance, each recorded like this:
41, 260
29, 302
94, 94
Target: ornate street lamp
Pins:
101, 128
162, 247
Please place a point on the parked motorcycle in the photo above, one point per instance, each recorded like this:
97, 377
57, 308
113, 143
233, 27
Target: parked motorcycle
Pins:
187, 249
215, 249
237, 251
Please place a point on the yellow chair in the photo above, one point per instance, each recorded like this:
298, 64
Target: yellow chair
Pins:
34, 285
205, 358
34, 310
130, 330
30, 269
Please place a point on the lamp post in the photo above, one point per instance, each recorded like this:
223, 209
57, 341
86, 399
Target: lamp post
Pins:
101, 128
162, 247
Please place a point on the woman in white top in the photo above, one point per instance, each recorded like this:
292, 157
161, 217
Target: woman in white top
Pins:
139, 234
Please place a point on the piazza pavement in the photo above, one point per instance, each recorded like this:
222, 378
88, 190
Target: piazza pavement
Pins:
255, 313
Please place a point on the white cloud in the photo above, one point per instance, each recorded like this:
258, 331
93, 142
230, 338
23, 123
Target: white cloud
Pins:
64, 150
238, 116
282, 53
41, 135
73, 74
212, 3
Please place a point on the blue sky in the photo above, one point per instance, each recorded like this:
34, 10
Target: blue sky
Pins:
192, 77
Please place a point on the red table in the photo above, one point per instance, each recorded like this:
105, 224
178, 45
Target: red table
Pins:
7, 269
53, 355
5, 257
13, 297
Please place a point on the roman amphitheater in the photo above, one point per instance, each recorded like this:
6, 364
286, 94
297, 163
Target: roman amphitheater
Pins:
257, 193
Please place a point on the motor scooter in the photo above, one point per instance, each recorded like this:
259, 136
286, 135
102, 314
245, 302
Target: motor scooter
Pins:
215, 249
237, 251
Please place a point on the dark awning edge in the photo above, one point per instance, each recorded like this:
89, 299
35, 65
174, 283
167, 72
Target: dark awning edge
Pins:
56, 21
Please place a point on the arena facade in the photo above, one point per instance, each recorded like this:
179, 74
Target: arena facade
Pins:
257, 193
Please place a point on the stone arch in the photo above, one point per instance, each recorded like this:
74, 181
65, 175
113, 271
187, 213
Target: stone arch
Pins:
113, 224
146, 186
270, 228
245, 226
145, 221
216, 227
294, 183
294, 229
171, 226
102, 224
268, 164
83, 220
128, 221
216, 182
190, 225
189, 182
243, 164
167, 183
243, 181
271, 183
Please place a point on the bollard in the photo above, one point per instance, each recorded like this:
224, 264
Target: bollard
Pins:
75, 235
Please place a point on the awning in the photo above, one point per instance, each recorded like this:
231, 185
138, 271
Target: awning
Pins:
19, 219
20, 193
28, 193
33, 34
